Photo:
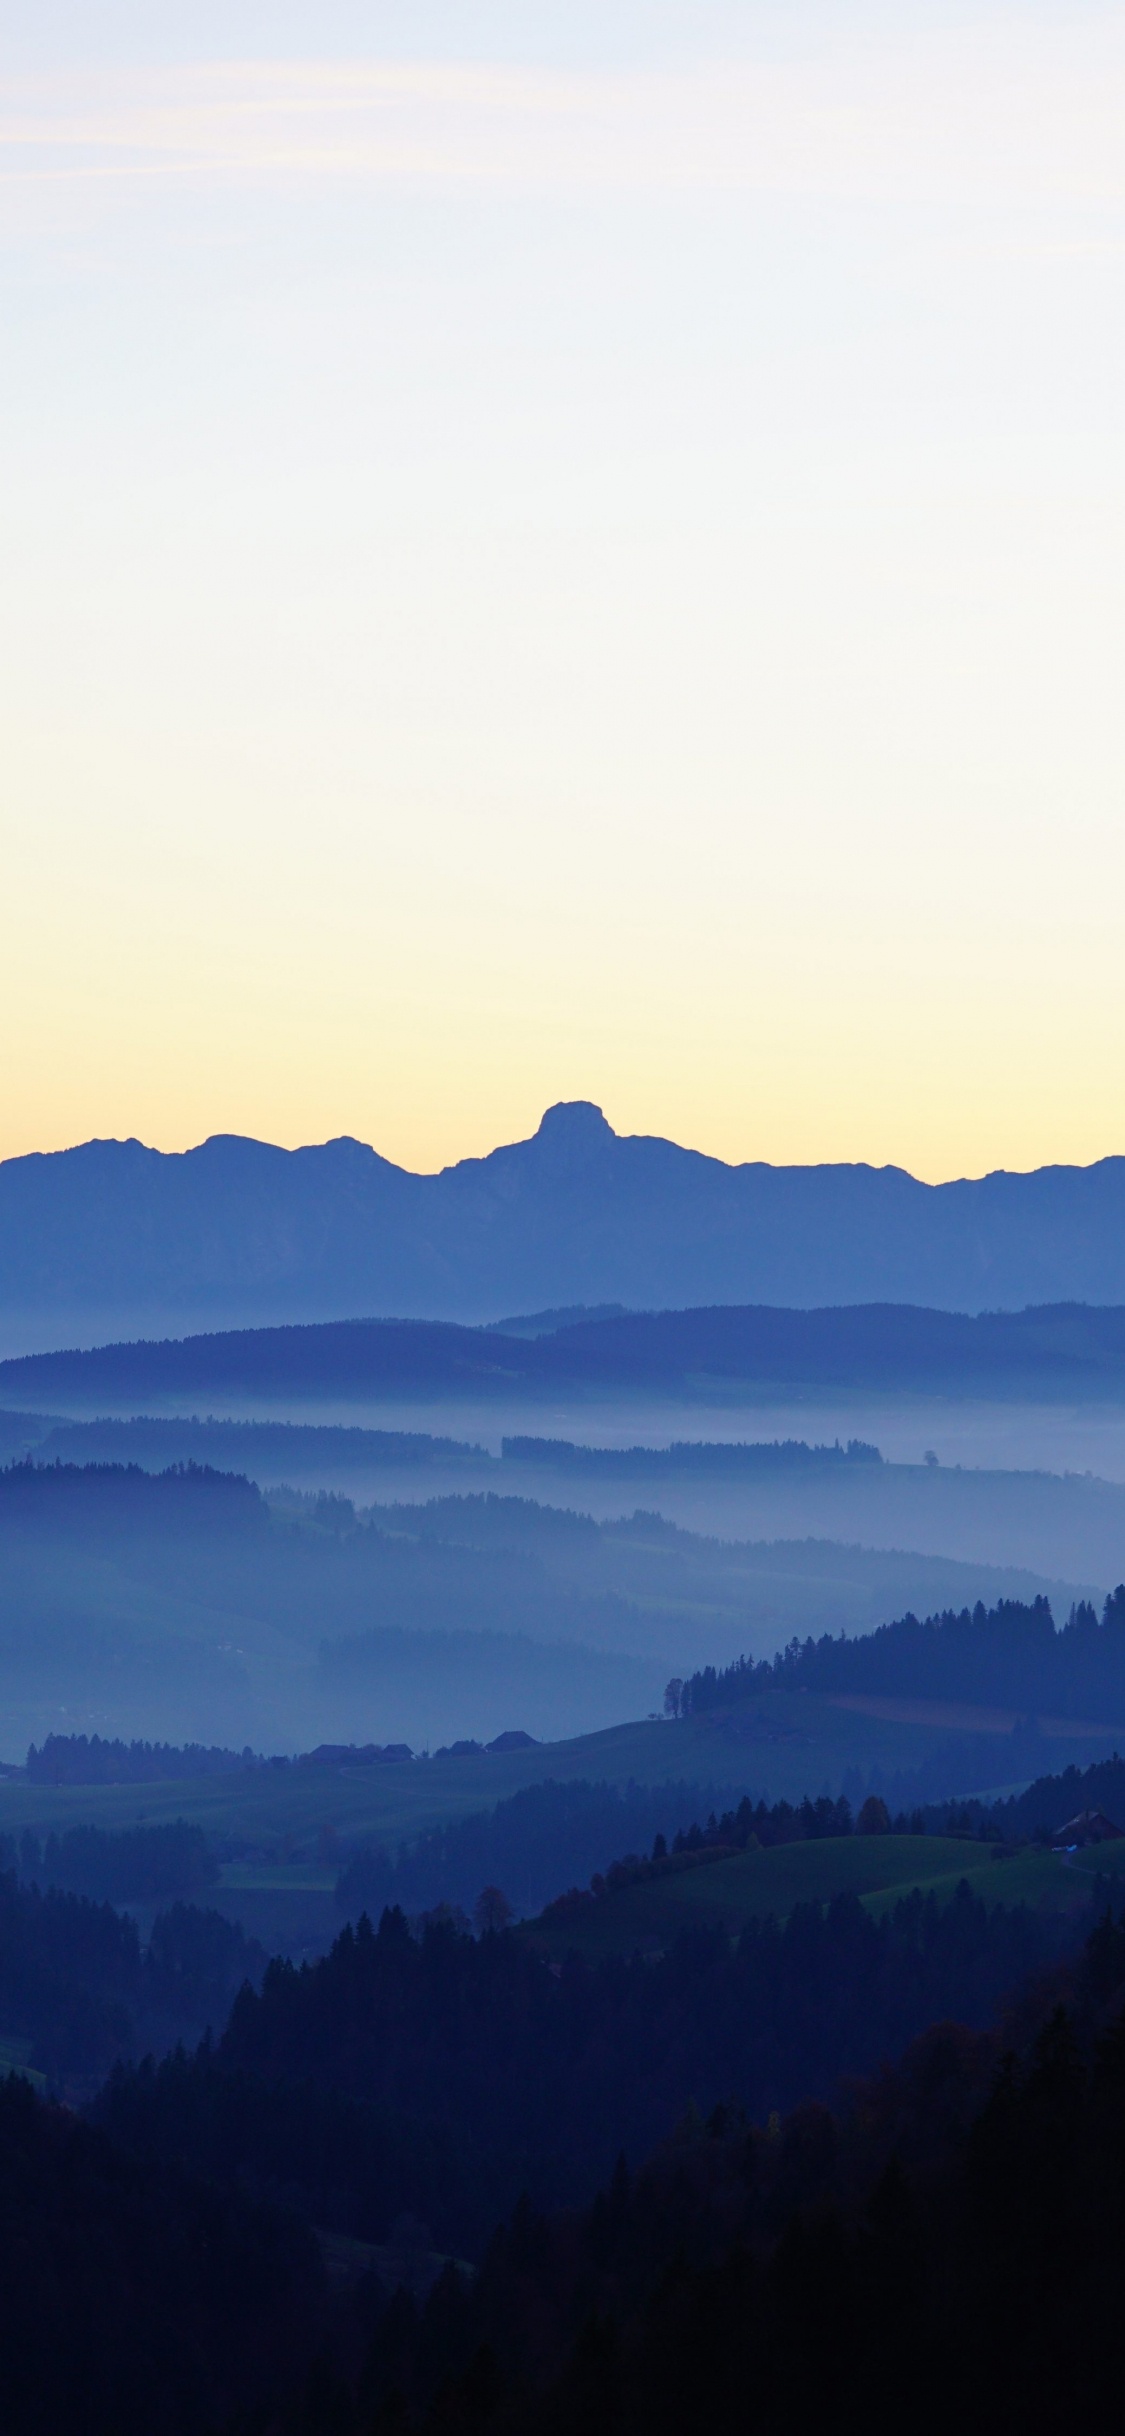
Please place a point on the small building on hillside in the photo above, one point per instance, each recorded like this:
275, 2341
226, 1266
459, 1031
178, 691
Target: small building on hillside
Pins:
1090, 1827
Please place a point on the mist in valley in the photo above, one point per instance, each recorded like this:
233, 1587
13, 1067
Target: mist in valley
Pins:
425, 1587
1037, 1487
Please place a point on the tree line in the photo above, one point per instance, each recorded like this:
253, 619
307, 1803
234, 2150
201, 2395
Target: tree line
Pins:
1011, 1655
446, 2074
534, 1842
79, 1990
942, 2251
94, 1759
943, 2247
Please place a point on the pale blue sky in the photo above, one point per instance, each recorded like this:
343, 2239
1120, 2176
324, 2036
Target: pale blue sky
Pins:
565, 552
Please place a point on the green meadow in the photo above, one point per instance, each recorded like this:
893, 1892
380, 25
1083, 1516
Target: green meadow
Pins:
280, 1831
759, 1884
779, 1746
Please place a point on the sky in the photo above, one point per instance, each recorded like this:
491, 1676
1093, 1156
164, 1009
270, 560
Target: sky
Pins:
564, 551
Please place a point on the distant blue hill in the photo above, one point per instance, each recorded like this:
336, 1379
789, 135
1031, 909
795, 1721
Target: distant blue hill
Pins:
1061, 1350
113, 1239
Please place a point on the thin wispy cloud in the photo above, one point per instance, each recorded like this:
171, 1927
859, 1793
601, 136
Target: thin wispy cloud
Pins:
922, 122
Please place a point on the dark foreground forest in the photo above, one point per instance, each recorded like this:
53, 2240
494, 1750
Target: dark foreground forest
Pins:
944, 2251
942, 2246
448, 2074
858, 2164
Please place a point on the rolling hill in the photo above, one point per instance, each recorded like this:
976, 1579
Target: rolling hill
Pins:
1066, 1351
184, 1604
646, 1917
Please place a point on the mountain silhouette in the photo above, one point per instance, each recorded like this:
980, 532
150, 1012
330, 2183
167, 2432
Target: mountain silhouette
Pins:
114, 1238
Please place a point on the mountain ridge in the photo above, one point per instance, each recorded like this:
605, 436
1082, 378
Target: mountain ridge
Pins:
114, 1238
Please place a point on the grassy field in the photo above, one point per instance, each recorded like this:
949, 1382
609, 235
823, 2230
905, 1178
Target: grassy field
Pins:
1100, 1860
286, 1878
1051, 1881
294, 1910
276, 1807
1038, 1878
752, 1885
267, 1825
279, 1811
783, 1745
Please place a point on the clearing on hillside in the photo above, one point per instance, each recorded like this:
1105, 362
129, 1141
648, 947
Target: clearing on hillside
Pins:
646, 1916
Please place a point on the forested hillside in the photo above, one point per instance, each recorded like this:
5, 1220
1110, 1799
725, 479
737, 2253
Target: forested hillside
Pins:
941, 2251
1011, 1655
1061, 1349
78, 1990
135, 2299
186, 1605
448, 2074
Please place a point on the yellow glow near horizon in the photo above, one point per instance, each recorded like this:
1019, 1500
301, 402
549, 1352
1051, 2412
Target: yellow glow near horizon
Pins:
527, 579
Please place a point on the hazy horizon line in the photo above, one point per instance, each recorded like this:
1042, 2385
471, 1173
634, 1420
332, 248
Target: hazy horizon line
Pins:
522, 1141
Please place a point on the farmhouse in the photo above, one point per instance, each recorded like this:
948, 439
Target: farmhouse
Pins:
1090, 1827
